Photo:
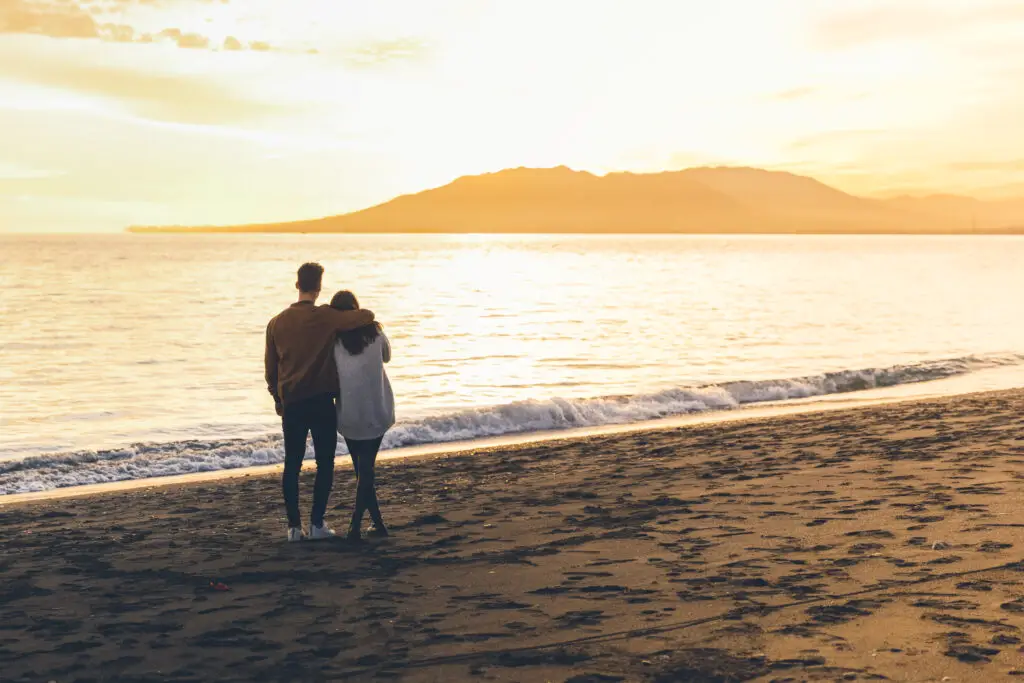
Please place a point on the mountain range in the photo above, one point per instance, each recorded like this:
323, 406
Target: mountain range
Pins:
696, 200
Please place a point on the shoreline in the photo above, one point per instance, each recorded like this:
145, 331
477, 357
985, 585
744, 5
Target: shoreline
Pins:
842, 544
962, 385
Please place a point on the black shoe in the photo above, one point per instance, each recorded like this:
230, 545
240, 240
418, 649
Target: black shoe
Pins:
353, 534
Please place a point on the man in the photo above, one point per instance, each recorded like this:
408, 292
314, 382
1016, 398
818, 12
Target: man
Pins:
302, 378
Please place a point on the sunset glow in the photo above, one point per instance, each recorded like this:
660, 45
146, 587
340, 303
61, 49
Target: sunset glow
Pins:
198, 112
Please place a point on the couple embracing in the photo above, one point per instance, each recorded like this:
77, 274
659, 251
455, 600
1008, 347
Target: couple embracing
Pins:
325, 370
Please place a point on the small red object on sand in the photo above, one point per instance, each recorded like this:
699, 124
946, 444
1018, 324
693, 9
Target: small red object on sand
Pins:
218, 586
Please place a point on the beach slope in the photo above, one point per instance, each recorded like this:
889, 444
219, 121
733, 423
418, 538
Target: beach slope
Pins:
851, 545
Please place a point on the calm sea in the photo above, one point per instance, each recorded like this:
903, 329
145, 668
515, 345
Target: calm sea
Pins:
129, 356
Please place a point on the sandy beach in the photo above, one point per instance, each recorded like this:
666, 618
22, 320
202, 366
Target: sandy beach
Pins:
877, 543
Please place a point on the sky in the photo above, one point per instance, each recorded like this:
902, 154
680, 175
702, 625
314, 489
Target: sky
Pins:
199, 112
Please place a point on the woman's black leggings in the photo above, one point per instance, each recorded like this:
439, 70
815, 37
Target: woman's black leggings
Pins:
364, 459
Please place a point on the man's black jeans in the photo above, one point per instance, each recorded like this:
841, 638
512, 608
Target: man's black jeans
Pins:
315, 415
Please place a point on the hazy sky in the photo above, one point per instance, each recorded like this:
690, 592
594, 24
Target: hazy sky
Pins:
117, 112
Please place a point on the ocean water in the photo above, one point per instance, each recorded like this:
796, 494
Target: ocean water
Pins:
130, 356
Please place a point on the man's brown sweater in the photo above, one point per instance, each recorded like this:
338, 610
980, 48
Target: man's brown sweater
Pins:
299, 358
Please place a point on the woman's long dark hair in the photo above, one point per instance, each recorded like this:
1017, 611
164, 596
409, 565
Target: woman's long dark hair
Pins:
358, 339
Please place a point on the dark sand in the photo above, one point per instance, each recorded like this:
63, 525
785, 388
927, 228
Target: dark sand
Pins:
870, 544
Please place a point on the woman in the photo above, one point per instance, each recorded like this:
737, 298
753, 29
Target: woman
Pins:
366, 407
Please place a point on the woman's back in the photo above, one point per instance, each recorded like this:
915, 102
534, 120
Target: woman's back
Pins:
366, 405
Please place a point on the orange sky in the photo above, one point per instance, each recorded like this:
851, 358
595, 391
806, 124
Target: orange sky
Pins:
117, 112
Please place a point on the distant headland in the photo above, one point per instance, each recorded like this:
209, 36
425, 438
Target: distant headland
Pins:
706, 200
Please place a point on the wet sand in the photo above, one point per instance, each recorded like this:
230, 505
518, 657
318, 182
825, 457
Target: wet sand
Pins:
867, 544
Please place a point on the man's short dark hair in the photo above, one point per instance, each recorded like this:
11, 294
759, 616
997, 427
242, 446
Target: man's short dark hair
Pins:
310, 277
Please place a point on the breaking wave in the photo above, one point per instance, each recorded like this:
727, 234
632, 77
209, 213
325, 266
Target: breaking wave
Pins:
141, 461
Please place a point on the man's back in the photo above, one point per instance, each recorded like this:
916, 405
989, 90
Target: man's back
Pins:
299, 353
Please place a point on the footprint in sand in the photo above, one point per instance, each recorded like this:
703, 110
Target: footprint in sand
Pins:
960, 647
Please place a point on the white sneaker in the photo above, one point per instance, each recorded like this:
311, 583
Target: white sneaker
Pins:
318, 533
295, 534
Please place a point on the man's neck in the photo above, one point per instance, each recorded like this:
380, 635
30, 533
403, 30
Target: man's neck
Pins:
308, 297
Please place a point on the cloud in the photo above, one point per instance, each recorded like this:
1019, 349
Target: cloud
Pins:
68, 19
911, 20
190, 41
16, 171
833, 137
232, 44
1013, 165
157, 97
385, 51
193, 41
795, 93
47, 18
110, 21
118, 33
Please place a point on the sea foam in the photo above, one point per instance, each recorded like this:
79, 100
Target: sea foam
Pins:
140, 461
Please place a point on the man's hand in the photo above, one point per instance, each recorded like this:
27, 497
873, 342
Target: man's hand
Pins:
278, 407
